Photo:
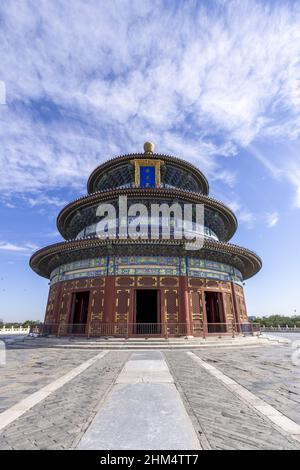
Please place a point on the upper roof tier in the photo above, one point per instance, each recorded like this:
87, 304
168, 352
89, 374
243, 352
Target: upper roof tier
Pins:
122, 172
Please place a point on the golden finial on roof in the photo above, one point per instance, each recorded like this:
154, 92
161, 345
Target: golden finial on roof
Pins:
149, 147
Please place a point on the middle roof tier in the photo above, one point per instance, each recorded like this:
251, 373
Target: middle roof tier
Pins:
81, 213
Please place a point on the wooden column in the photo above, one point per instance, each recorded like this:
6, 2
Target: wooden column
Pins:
204, 315
109, 300
184, 306
222, 307
235, 307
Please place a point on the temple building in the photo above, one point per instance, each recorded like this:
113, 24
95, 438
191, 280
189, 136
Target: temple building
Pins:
103, 285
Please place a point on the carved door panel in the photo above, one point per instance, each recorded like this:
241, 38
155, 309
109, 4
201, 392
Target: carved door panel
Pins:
171, 310
196, 307
122, 309
97, 305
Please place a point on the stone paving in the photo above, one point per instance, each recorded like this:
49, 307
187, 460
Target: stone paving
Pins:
281, 334
267, 372
144, 408
221, 420
59, 421
28, 370
226, 422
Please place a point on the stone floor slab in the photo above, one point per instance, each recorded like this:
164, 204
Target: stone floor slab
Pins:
227, 422
59, 421
142, 415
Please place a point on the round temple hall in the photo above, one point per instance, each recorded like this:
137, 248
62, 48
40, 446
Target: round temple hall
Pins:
126, 283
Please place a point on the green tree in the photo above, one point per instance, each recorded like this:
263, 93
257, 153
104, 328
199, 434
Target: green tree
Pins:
278, 320
28, 323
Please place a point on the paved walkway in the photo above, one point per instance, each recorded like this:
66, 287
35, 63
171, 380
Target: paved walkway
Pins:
28, 370
226, 420
59, 421
267, 372
150, 399
144, 410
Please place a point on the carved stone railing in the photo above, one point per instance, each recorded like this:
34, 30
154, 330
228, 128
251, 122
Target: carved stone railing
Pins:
163, 330
282, 329
14, 330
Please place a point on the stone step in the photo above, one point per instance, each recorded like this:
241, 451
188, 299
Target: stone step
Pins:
159, 348
142, 343
187, 345
160, 340
147, 344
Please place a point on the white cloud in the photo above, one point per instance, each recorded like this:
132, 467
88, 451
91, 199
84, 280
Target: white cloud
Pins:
272, 219
247, 218
292, 174
297, 198
52, 234
43, 199
250, 219
235, 206
87, 80
244, 216
11, 247
283, 165
2, 92
9, 205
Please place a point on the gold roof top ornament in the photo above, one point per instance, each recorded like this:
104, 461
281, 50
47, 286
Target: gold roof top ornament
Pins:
149, 147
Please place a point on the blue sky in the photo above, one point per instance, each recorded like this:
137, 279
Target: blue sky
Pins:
214, 82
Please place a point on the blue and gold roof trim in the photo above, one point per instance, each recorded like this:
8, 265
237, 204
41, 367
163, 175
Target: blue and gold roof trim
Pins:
147, 170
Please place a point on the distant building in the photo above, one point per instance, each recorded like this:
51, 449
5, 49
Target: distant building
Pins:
104, 286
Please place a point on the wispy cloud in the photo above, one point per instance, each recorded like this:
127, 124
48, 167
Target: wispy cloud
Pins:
2, 92
43, 199
272, 219
245, 217
94, 79
52, 234
10, 205
283, 165
11, 247
250, 219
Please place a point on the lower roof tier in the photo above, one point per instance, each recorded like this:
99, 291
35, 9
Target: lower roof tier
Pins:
145, 266
46, 260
